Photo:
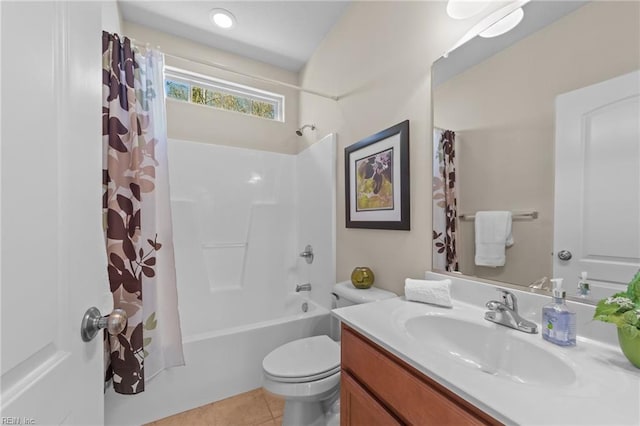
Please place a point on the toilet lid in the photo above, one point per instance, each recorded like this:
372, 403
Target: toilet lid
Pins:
312, 357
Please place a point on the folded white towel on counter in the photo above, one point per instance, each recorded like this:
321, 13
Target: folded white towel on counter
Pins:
493, 235
426, 291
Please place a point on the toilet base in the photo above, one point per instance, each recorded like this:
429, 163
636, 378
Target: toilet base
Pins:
312, 413
333, 413
298, 413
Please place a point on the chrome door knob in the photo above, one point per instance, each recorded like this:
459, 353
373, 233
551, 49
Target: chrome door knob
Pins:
564, 255
93, 321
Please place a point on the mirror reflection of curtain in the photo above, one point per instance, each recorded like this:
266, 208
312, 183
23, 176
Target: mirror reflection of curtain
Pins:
445, 210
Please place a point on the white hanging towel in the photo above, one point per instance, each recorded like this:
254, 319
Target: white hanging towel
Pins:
493, 235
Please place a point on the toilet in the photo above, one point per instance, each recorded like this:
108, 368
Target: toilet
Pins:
306, 372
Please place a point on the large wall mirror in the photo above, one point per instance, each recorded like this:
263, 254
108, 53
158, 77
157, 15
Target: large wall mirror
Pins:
543, 122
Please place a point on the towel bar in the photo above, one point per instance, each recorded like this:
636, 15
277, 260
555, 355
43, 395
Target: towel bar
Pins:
516, 215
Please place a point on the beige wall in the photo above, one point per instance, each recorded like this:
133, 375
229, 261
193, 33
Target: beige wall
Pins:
111, 17
503, 113
205, 124
378, 59
508, 168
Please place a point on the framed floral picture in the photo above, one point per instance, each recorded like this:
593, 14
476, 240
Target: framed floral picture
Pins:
377, 180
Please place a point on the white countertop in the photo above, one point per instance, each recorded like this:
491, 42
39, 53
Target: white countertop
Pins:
606, 390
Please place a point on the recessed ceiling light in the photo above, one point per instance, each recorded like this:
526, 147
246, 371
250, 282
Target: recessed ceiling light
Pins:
222, 18
463, 9
504, 25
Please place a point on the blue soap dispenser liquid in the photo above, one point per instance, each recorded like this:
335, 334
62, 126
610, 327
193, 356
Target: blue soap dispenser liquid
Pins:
558, 322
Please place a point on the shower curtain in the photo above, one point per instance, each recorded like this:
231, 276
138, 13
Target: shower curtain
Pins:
137, 215
445, 210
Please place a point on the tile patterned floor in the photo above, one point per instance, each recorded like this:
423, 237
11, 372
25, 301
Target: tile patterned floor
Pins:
253, 408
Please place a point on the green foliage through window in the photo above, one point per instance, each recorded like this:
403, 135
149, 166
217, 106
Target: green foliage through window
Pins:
197, 95
258, 105
177, 90
262, 109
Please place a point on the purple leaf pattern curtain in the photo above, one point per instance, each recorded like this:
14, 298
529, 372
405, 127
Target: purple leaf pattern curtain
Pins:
445, 210
137, 215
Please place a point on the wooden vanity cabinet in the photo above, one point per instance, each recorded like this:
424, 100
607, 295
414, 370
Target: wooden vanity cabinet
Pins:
378, 388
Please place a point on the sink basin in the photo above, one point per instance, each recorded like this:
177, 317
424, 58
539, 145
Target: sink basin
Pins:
492, 349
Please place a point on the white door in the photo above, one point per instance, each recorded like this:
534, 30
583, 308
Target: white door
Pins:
53, 260
597, 192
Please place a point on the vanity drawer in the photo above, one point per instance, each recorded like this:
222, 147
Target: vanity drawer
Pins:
404, 391
359, 407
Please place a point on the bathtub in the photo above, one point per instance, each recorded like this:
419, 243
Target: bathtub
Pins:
219, 364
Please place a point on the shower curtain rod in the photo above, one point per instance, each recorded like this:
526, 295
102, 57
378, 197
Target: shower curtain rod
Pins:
252, 76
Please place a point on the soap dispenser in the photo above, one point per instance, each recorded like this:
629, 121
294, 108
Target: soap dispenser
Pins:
583, 285
558, 322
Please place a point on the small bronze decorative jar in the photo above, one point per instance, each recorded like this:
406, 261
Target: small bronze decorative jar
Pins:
362, 277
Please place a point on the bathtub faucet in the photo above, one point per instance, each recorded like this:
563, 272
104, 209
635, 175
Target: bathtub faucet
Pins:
307, 254
303, 287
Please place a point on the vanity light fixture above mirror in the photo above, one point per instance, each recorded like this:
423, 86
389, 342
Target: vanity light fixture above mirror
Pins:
504, 25
464, 9
494, 24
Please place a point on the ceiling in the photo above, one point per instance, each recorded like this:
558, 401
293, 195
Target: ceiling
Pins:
280, 33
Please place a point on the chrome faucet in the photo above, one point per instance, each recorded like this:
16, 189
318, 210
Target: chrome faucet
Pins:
303, 287
506, 313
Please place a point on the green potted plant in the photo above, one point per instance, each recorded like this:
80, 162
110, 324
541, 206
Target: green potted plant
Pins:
623, 310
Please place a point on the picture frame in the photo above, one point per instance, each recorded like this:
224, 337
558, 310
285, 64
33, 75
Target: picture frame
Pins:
377, 180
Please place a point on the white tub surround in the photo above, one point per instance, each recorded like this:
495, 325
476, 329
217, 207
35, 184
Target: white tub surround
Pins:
233, 211
592, 383
240, 218
315, 180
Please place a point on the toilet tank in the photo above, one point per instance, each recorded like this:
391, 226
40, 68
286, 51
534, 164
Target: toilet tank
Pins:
345, 294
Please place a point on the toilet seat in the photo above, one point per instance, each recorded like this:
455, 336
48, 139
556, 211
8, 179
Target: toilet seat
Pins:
303, 379
303, 360
316, 390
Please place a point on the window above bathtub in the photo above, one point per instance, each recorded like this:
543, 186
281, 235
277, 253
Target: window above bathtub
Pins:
187, 86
